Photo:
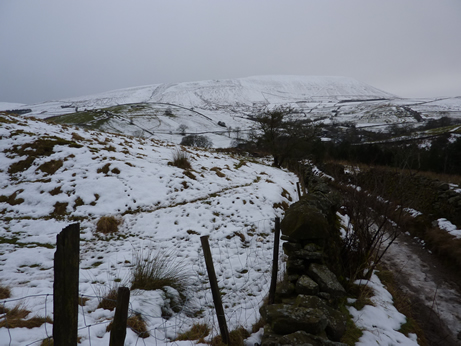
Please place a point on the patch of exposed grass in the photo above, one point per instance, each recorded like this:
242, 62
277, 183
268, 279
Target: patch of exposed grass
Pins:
189, 174
21, 166
282, 205
363, 293
137, 324
78, 202
286, 194
240, 164
12, 200
5, 292
353, 333
218, 172
403, 304
104, 169
47, 342
109, 301
50, 167
236, 338
60, 210
17, 318
108, 224
56, 191
40, 147
197, 332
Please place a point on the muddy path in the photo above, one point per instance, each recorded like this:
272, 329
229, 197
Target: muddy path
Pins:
433, 290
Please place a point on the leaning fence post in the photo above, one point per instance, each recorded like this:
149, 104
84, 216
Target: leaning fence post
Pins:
299, 190
275, 262
65, 287
118, 332
215, 290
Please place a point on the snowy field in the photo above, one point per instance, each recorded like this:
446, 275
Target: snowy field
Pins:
165, 209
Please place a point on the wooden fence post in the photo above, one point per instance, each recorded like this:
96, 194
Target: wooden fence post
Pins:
215, 290
275, 262
65, 287
118, 332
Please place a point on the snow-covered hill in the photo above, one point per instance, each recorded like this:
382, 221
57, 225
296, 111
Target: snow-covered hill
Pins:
219, 107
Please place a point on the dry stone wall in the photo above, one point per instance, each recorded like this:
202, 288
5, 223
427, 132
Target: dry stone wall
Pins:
306, 307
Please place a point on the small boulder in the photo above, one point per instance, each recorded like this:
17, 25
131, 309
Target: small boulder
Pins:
326, 280
286, 319
305, 285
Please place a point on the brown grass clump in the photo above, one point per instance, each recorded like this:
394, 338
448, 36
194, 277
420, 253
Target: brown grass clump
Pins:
47, 342
197, 332
16, 318
181, 160
446, 246
156, 270
218, 172
108, 224
109, 301
5, 292
236, 338
136, 323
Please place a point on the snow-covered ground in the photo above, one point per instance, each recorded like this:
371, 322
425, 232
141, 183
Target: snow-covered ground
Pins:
234, 200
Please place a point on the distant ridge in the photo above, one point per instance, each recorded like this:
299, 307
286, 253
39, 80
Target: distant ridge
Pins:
213, 94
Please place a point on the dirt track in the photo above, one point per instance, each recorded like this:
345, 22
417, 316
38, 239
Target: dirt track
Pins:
434, 290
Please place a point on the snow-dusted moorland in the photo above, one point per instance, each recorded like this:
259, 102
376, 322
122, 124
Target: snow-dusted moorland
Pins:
163, 208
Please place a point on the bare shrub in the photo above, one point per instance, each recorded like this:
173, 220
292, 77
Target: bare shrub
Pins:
197, 141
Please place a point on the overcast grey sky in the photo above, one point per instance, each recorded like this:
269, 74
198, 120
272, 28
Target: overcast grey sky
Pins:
53, 49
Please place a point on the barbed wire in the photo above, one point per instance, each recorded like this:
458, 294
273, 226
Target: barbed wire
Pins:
243, 263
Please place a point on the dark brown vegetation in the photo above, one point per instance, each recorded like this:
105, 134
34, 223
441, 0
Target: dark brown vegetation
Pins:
108, 224
181, 160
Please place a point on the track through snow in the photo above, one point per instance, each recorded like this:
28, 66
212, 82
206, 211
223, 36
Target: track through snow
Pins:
434, 291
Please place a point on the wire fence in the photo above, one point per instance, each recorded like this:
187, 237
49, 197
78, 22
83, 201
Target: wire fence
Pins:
242, 260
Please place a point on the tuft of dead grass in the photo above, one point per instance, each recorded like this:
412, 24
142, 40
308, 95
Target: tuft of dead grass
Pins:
136, 323
153, 271
5, 292
236, 338
17, 318
109, 301
181, 160
197, 332
108, 224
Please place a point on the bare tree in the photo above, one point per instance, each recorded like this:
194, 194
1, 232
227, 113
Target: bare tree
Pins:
282, 135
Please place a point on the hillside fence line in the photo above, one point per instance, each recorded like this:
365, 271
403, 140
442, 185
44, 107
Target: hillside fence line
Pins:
70, 316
